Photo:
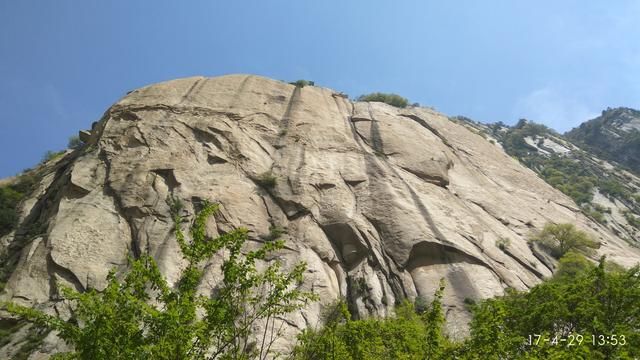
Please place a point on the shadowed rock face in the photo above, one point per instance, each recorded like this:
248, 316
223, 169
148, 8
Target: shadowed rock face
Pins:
380, 202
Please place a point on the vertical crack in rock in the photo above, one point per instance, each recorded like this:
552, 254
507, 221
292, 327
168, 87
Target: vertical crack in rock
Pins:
426, 215
285, 122
187, 96
372, 169
109, 191
239, 92
372, 224
376, 139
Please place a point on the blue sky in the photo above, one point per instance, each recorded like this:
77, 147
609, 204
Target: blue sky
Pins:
63, 63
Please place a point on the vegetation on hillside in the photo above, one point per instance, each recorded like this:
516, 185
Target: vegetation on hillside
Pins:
604, 137
120, 323
10, 197
563, 173
391, 99
586, 311
74, 142
559, 239
576, 174
302, 83
413, 333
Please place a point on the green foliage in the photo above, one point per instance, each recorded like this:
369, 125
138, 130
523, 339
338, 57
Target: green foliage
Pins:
7, 328
275, 232
122, 322
575, 173
407, 335
9, 200
420, 304
51, 155
595, 212
74, 142
267, 180
10, 197
513, 140
568, 176
391, 99
565, 173
572, 264
589, 301
613, 188
604, 137
631, 219
561, 238
32, 341
503, 243
302, 83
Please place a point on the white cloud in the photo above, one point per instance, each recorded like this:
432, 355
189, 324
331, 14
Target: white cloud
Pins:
555, 108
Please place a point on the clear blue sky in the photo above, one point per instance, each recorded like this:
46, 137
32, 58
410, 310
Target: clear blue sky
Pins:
63, 63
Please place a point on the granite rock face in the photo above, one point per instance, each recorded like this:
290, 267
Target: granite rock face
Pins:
380, 202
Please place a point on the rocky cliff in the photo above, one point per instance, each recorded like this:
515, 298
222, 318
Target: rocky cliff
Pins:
606, 191
381, 202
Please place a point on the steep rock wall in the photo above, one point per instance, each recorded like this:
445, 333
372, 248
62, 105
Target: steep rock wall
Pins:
380, 202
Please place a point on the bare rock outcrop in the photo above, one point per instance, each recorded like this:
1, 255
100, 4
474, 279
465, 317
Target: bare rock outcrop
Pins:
380, 202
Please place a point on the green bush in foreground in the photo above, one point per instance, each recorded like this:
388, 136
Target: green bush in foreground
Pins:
407, 335
581, 301
585, 311
391, 99
120, 323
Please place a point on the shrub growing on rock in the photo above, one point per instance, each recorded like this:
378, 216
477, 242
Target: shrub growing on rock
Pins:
74, 142
302, 83
561, 238
391, 99
267, 180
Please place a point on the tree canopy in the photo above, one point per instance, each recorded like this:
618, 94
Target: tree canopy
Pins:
561, 238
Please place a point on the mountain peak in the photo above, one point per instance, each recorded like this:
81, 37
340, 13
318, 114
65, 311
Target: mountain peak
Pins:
614, 136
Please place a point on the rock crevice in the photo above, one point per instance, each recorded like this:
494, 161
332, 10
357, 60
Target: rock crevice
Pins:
380, 202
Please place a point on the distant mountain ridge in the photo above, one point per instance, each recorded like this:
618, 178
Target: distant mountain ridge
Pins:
614, 136
595, 164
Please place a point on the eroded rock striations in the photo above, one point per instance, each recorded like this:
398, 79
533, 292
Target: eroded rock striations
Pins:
380, 202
